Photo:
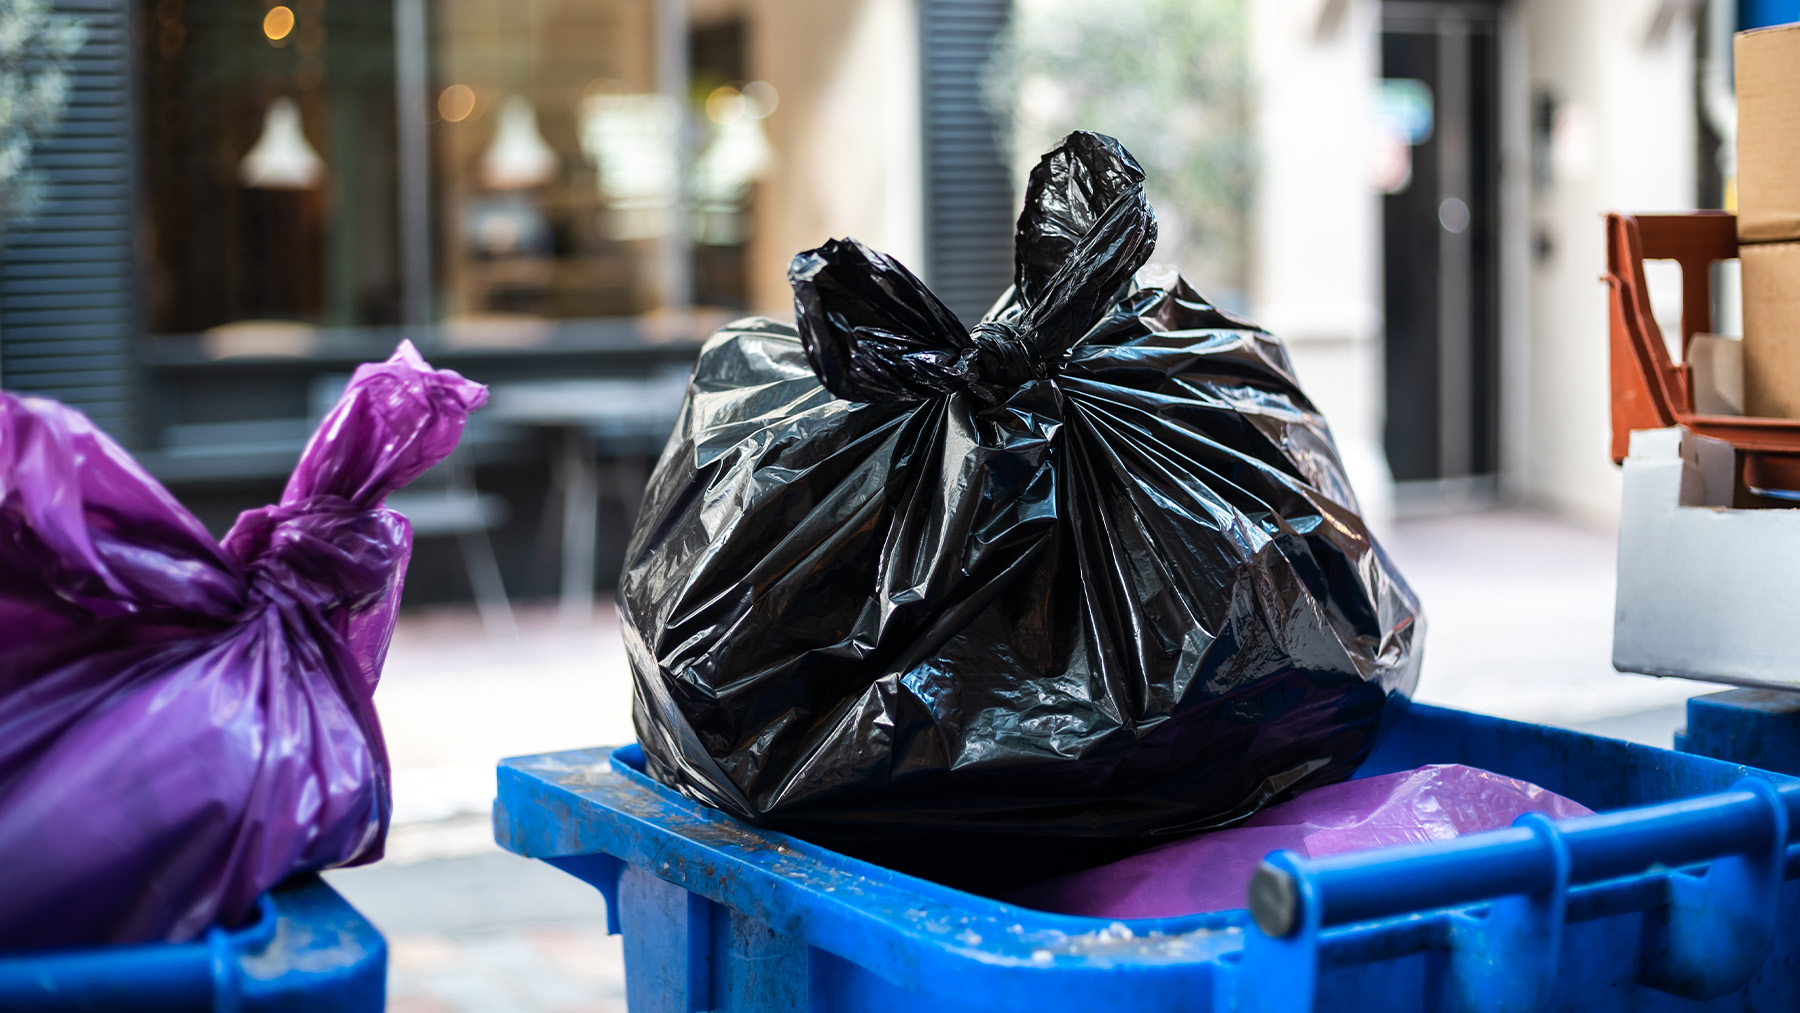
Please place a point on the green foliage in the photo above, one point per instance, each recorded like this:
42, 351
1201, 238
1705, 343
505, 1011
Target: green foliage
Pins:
35, 46
1169, 79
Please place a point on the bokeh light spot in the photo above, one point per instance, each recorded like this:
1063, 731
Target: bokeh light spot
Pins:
760, 99
456, 102
725, 104
278, 23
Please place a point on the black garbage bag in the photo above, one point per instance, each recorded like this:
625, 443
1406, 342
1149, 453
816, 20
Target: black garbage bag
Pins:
987, 606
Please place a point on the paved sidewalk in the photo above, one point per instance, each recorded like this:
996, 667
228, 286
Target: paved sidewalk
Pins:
489, 933
1520, 610
471, 928
1520, 624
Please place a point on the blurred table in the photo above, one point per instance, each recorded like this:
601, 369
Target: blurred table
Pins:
625, 420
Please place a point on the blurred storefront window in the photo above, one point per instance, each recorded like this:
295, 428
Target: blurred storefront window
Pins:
578, 166
268, 164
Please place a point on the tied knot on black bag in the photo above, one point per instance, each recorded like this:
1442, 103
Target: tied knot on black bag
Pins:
874, 332
1003, 357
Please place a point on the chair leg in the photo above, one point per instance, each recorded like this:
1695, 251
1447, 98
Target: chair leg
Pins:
484, 579
629, 481
580, 523
546, 544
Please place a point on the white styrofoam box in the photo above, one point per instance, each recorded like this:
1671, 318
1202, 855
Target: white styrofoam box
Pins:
1705, 591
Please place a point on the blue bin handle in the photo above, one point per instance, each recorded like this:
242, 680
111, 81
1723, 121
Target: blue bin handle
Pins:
1708, 941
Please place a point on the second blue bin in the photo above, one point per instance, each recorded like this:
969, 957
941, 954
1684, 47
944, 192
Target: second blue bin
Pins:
306, 950
1684, 902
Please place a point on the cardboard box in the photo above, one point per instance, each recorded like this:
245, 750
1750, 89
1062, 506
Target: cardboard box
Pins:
1771, 273
1716, 367
1768, 134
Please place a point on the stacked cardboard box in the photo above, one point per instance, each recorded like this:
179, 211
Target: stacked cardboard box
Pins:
1768, 144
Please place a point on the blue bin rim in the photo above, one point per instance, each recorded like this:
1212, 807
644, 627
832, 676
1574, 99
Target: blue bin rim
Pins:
254, 935
627, 762
303, 946
592, 813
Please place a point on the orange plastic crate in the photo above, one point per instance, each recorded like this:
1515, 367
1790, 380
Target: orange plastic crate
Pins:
1649, 389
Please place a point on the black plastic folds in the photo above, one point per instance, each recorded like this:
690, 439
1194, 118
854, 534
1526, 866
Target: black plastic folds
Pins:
987, 606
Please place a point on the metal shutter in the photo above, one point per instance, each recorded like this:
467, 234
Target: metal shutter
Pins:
67, 279
969, 202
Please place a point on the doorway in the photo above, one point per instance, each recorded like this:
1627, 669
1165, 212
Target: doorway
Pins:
1440, 93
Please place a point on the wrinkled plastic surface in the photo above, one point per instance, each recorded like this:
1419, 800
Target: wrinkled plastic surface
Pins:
1212, 872
991, 605
185, 722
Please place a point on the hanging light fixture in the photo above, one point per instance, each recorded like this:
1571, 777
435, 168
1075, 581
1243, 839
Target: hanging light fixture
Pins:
281, 159
519, 157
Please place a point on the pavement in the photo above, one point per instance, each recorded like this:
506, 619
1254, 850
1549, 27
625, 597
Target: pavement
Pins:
1519, 608
1519, 612
472, 928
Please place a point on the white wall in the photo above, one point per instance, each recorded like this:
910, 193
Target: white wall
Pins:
846, 135
1316, 257
1628, 144
1316, 277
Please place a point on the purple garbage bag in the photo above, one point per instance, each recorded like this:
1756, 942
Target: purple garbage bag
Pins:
1212, 872
185, 722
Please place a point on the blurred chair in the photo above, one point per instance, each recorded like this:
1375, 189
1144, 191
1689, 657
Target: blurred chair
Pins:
444, 503
621, 420
631, 436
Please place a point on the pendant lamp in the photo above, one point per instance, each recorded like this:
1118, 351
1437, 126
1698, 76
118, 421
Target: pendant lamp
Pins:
519, 157
282, 159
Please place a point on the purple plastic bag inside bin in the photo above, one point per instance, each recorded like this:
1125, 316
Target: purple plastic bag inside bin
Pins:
1212, 872
185, 722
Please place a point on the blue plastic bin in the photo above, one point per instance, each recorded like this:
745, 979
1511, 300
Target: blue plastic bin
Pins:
1685, 905
307, 950
1759, 727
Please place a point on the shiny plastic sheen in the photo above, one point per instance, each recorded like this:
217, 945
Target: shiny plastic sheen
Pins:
992, 605
186, 722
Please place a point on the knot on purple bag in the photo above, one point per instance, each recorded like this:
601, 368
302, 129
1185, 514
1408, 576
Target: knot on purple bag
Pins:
323, 550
